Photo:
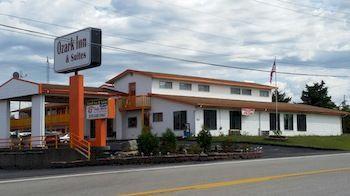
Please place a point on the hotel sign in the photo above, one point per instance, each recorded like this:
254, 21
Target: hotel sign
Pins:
77, 51
97, 109
247, 111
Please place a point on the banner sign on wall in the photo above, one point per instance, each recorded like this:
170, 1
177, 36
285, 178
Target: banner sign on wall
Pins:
77, 51
247, 111
97, 109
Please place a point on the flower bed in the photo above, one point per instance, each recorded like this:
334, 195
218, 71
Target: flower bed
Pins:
175, 158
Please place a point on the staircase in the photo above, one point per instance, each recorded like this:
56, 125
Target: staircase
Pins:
80, 145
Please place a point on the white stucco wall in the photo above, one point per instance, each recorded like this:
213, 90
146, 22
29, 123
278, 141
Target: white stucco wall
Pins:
4, 119
167, 108
216, 91
321, 125
38, 115
131, 133
143, 84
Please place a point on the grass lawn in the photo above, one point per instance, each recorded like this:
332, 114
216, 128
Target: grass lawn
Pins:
325, 142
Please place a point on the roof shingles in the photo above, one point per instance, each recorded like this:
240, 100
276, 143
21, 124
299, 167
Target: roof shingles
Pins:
191, 79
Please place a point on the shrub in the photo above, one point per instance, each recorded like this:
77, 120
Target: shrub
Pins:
227, 144
146, 129
194, 149
148, 143
204, 139
168, 142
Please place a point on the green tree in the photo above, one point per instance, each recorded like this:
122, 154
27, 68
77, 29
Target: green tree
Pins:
148, 143
346, 119
168, 142
281, 97
317, 95
204, 139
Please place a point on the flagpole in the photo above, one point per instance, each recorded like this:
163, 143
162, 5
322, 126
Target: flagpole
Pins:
276, 96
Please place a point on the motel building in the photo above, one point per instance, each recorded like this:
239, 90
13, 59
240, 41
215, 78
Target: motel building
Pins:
184, 104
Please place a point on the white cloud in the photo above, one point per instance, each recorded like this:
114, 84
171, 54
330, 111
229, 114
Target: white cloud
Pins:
239, 33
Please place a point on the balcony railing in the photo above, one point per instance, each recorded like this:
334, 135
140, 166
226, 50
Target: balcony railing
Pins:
50, 121
134, 103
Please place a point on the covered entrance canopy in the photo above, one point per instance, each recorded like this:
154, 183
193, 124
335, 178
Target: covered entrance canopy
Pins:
39, 93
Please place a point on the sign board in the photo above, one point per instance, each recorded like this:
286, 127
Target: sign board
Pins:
97, 109
77, 51
247, 111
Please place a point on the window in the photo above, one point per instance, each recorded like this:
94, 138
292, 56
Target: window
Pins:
132, 122
203, 88
288, 121
235, 90
264, 93
165, 84
273, 122
210, 119
185, 86
235, 120
246, 91
110, 131
92, 128
301, 121
180, 120
158, 117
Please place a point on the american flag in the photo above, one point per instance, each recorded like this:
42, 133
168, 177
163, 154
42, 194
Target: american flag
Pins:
273, 70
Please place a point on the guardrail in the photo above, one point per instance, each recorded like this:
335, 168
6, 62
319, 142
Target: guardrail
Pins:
80, 145
134, 102
50, 120
30, 142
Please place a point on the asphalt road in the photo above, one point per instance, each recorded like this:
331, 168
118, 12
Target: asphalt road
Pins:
307, 175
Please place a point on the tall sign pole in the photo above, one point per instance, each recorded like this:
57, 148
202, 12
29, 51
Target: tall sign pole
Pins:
276, 97
74, 52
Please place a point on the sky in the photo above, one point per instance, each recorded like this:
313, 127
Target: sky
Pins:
305, 36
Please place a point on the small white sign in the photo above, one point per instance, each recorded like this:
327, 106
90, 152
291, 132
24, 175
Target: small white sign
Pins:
77, 51
247, 111
97, 109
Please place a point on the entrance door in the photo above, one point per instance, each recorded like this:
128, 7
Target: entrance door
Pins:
132, 89
236, 120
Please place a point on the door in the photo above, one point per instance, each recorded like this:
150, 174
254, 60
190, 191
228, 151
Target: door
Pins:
132, 89
235, 120
132, 93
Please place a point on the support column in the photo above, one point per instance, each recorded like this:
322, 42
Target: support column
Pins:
100, 132
38, 118
76, 106
4, 121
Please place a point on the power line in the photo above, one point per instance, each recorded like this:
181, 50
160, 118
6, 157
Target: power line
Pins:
119, 36
114, 35
186, 60
309, 6
226, 19
298, 11
143, 18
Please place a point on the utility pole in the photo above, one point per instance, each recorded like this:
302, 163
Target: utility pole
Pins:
21, 75
47, 70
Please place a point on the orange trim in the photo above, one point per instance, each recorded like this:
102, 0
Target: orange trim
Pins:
66, 92
100, 133
111, 108
191, 79
40, 89
260, 106
18, 80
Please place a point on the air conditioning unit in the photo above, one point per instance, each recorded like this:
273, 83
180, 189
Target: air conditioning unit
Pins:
234, 132
265, 133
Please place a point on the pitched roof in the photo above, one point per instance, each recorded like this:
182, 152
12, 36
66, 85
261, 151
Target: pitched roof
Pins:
190, 79
260, 106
